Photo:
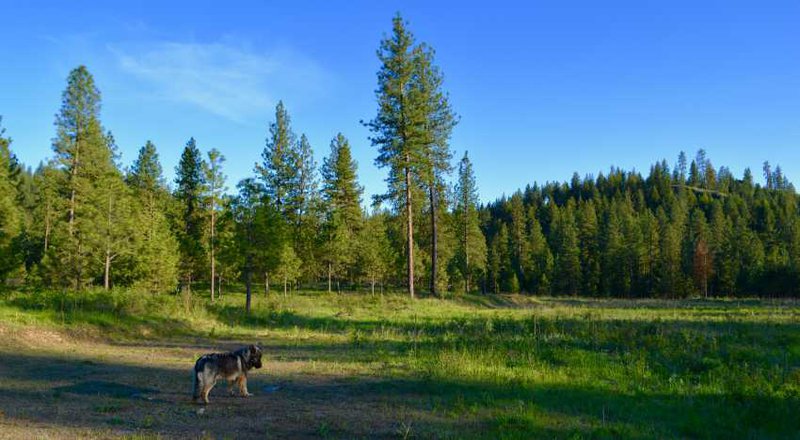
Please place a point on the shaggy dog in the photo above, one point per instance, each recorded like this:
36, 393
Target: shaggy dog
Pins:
232, 366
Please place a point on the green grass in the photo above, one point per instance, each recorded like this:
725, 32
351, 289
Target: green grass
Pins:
491, 366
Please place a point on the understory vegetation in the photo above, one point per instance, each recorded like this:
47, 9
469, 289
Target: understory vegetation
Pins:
491, 366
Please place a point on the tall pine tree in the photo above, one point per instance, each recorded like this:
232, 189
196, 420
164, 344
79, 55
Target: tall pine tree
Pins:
215, 189
83, 155
438, 124
411, 130
342, 197
189, 193
156, 245
10, 215
471, 248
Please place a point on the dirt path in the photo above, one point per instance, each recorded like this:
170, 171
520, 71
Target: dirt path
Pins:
55, 386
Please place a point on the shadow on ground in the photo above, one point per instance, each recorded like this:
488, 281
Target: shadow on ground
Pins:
109, 398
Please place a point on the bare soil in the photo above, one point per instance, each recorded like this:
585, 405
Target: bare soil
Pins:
56, 385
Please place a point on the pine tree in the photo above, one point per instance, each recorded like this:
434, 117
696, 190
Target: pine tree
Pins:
695, 178
47, 206
375, 253
702, 259
728, 254
567, 267
243, 212
27, 247
519, 238
342, 197
82, 154
493, 263
701, 162
769, 177
215, 188
540, 256
227, 262
669, 259
306, 203
439, 121
112, 238
189, 193
634, 254
614, 263
779, 178
253, 244
396, 129
471, 250
10, 215
680, 169
146, 173
411, 131
505, 275
156, 245
650, 234
278, 169
588, 237
288, 173
288, 267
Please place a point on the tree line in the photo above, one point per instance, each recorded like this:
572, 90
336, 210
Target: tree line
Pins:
695, 230
81, 219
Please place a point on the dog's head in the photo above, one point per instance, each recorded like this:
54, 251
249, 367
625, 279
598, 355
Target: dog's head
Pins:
253, 356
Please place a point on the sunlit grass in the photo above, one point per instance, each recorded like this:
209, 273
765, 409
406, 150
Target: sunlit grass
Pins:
500, 366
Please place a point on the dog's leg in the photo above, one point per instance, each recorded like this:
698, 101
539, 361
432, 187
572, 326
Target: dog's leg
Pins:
207, 389
243, 386
231, 389
239, 384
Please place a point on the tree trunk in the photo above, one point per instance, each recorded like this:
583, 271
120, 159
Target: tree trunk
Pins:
213, 262
46, 226
467, 274
705, 275
72, 203
219, 286
78, 268
330, 269
410, 225
248, 281
266, 283
434, 240
285, 281
372, 286
107, 273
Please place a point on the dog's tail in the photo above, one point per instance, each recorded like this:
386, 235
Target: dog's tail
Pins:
195, 378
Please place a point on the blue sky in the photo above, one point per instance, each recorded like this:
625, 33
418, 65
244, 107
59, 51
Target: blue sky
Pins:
543, 88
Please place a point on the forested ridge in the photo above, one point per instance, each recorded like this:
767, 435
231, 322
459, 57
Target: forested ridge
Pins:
82, 219
673, 233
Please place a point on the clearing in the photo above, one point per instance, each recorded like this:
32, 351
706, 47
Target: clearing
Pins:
357, 366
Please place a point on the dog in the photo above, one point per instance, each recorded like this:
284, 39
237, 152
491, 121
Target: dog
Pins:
232, 366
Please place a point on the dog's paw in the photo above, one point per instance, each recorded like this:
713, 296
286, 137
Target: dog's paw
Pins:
247, 395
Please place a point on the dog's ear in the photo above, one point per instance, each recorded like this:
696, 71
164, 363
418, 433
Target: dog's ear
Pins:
253, 349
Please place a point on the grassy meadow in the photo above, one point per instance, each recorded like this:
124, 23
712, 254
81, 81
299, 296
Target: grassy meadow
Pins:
352, 365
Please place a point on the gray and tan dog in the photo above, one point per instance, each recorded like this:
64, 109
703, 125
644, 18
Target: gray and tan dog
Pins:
232, 366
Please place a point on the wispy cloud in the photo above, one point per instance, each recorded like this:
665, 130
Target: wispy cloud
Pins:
225, 79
